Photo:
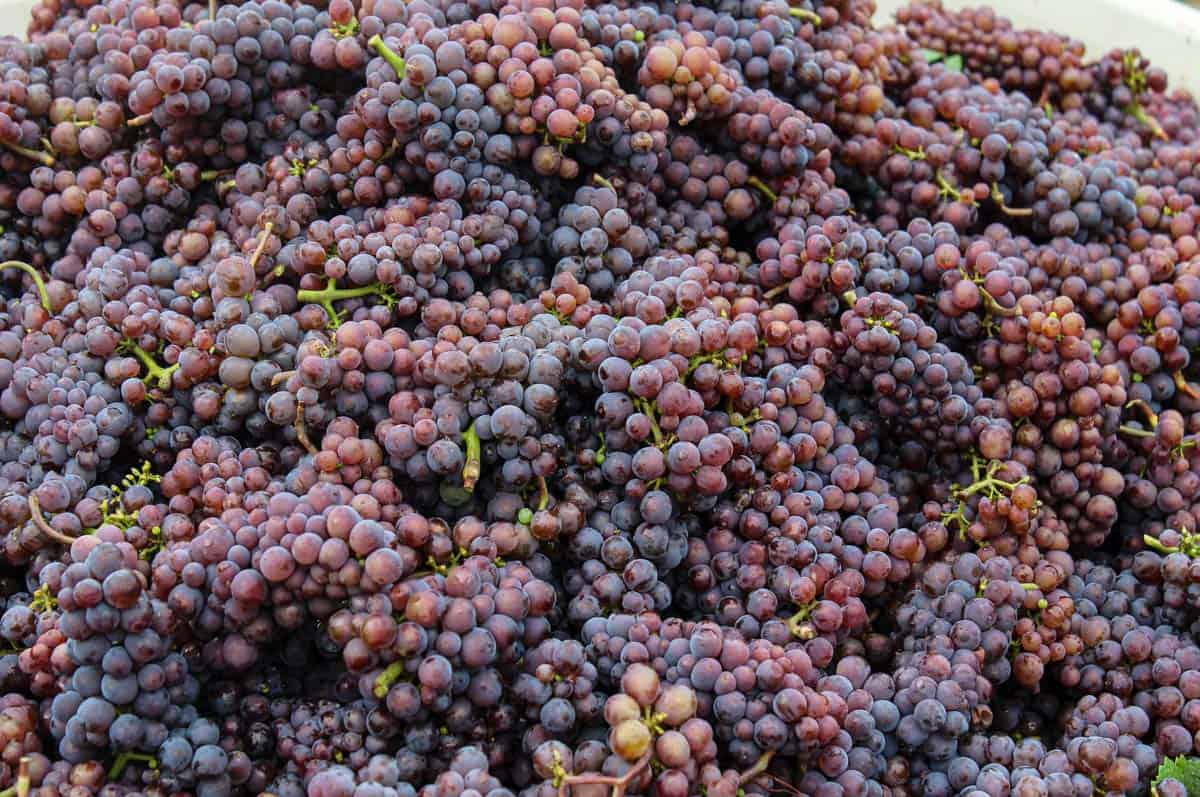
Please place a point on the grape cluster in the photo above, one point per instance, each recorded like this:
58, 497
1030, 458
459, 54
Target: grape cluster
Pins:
540, 398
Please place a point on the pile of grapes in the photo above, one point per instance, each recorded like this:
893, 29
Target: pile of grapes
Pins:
594, 398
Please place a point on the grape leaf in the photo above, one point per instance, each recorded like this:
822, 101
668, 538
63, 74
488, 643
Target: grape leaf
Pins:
932, 56
954, 63
1184, 770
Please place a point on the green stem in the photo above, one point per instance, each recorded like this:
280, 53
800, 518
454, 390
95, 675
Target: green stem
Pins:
35, 276
602, 182
388, 677
806, 15
762, 187
777, 290
1153, 542
543, 494
124, 758
1133, 432
34, 155
998, 198
155, 373
1151, 415
330, 294
472, 467
798, 624
1138, 112
43, 599
643, 405
701, 359
1184, 386
760, 766
23, 785
949, 190
995, 308
388, 54
342, 31
991, 483
917, 154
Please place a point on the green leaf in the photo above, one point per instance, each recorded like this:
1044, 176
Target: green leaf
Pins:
954, 63
932, 56
1184, 770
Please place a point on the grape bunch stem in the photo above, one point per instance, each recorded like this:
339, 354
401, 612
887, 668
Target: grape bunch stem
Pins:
473, 466
23, 785
388, 54
619, 785
43, 294
39, 520
44, 158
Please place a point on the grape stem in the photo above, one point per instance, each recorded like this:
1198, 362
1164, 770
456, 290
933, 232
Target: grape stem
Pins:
212, 10
991, 483
543, 494
39, 520
138, 121
1153, 542
998, 198
799, 626
644, 407
602, 182
760, 766
44, 158
1138, 112
762, 188
302, 431
22, 786
619, 785
331, 293
806, 15
949, 190
388, 54
688, 115
784, 786
155, 373
995, 308
1151, 415
262, 243
777, 290
389, 676
43, 294
281, 377
472, 467
123, 759
1133, 431
1185, 386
